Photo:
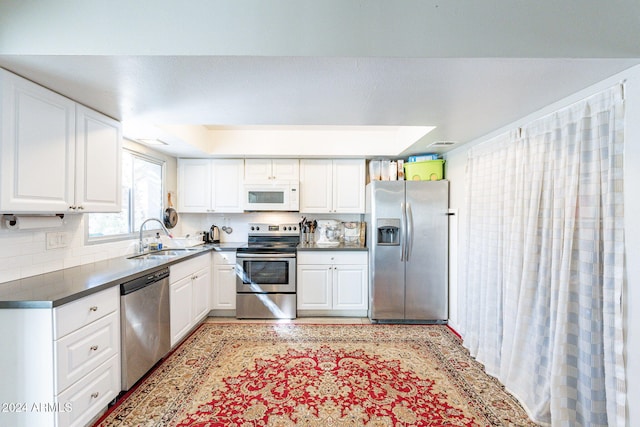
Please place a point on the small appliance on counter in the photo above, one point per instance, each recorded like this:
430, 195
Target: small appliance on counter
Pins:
352, 233
213, 235
329, 232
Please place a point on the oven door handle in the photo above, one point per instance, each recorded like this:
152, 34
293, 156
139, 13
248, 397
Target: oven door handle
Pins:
265, 257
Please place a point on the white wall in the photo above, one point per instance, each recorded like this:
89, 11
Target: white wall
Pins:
455, 172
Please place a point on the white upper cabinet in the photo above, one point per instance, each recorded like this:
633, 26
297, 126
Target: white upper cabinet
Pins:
37, 148
227, 184
316, 186
98, 164
56, 156
349, 185
210, 185
332, 186
194, 185
276, 169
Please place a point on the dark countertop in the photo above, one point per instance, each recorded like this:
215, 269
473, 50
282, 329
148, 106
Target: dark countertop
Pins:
340, 247
60, 287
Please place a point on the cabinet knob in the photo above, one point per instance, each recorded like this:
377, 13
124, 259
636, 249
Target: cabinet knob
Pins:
93, 308
95, 395
93, 348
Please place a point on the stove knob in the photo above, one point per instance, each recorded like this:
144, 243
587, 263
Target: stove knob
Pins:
257, 228
252, 228
295, 228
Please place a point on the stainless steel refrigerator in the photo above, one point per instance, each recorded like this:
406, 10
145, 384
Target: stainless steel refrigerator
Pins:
407, 237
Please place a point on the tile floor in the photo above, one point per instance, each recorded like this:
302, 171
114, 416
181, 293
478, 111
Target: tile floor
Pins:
312, 320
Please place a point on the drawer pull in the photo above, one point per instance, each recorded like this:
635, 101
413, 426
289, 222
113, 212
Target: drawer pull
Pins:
95, 395
93, 348
93, 308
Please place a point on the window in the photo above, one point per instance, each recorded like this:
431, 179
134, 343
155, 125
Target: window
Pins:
142, 190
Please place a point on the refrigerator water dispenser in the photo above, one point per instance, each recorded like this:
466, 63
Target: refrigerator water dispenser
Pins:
388, 232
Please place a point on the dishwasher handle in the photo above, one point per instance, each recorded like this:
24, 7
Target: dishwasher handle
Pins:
143, 281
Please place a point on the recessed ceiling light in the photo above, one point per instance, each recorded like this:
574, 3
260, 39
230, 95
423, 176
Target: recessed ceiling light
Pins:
152, 142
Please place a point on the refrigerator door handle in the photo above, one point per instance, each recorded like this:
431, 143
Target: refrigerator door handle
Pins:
403, 235
409, 231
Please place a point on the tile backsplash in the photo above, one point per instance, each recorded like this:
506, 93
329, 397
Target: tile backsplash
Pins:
24, 253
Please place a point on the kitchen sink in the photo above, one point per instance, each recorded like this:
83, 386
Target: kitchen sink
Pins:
164, 254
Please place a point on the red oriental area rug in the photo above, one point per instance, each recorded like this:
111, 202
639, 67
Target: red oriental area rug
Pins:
250, 375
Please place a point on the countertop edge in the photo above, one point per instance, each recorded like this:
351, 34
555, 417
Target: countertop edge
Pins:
103, 283
313, 248
111, 282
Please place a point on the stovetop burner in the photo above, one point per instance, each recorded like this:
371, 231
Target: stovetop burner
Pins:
271, 238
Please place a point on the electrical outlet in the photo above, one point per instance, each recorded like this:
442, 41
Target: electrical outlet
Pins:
57, 240
52, 240
63, 239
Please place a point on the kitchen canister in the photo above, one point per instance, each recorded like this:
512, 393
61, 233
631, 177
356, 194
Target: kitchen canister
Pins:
374, 170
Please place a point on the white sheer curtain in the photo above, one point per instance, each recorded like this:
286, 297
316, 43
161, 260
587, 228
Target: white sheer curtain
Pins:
544, 263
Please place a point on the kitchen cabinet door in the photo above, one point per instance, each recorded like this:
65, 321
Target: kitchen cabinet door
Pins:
271, 169
286, 169
201, 285
314, 287
223, 292
194, 185
98, 164
332, 186
350, 287
227, 185
37, 147
224, 288
181, 311
316, 185
348, 186
257, 169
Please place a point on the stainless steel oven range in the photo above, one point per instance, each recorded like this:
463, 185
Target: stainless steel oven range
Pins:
266, 273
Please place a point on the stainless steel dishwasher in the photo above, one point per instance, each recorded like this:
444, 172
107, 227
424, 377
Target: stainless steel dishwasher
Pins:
145, 328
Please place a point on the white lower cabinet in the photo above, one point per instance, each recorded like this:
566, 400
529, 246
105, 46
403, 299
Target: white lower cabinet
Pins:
332, 283
189, 283
181, 311
80, 403
64, 363
223, 289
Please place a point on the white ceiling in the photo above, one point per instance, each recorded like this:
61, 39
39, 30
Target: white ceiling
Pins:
248, 64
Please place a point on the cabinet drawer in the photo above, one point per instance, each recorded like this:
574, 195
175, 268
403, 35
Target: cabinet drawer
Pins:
81, 402
83, 350
332, 258
188, 267
77, 314
226, 258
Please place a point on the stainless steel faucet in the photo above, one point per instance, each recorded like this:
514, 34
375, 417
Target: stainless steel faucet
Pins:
141, 245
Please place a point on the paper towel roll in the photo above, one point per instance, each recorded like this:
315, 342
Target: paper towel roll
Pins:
32, 222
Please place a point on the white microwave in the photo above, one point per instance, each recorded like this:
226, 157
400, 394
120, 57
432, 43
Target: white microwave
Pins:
271, 196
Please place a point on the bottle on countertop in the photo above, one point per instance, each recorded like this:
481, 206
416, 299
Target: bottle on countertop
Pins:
155, 244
